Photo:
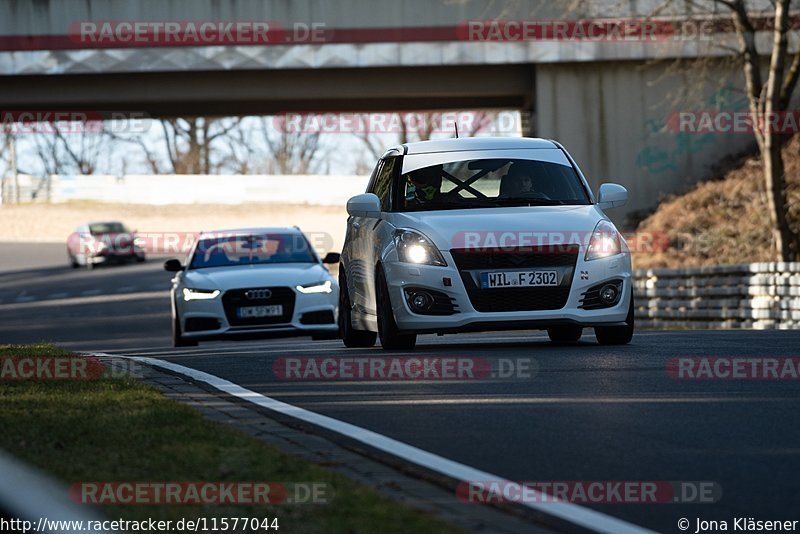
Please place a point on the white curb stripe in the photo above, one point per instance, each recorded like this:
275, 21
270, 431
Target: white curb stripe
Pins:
572, 513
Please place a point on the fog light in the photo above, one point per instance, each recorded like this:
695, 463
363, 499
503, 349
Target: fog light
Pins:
609, 294
421, 301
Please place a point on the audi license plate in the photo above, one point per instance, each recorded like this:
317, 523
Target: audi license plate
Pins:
519, 279
260, 311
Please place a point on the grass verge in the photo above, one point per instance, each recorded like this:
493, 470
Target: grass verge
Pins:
117, 429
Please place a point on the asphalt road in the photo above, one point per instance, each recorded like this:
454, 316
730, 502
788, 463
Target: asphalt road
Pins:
587, 413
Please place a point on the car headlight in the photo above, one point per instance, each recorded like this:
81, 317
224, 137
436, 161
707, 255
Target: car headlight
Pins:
604, 242
317, 287
199, 294
413, 247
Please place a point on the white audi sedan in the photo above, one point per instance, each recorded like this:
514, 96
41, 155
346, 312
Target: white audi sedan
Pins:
252, 283
483, 234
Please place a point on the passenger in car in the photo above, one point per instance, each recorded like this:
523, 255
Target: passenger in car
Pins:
515, 182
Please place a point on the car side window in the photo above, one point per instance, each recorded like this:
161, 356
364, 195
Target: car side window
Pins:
383, 182
373, 176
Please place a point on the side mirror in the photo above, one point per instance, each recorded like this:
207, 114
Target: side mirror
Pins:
612, 196
173, 266
366, 205
331, 258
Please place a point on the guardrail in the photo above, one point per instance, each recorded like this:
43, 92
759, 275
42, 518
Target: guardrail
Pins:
754, 295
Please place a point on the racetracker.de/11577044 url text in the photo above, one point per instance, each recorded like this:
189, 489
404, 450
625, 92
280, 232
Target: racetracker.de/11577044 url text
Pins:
197, 524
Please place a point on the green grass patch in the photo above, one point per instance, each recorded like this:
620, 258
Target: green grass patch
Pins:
114, 430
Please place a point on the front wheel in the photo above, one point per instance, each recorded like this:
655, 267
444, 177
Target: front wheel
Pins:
565, 335
177, 338
616, 335
351, 337
324, 336
391, 338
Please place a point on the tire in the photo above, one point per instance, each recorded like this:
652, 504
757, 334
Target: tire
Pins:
141, 259
72, 261
177, 339
324, 336
565, 335
391, 338
351, 337
617, 335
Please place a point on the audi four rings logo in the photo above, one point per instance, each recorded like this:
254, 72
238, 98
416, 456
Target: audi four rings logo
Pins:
258, 294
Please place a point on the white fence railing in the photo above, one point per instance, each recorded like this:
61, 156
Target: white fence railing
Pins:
754, 295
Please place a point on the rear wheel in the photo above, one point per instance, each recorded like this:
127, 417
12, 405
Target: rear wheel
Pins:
391, 338
177, 338
616, 335
565, 335
351, 337
72, 261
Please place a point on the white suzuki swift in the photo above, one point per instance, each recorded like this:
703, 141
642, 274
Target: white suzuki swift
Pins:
483, 234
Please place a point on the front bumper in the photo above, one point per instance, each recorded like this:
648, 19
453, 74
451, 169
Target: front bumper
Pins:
586, 275
115, 257
205, 312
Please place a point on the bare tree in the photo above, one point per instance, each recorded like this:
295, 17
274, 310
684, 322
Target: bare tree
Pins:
767, 100
190, 143
291, 152
767, 96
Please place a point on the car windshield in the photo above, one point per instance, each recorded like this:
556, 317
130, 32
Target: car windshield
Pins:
487, 183
107, 228
231, 250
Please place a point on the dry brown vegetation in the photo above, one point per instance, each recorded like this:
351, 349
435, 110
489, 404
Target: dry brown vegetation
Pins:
721, 221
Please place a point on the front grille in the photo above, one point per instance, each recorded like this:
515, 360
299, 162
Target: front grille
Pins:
235, 298
471, 262
511, 258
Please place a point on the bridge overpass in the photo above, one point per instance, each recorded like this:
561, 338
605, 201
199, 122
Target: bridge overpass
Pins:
608, 100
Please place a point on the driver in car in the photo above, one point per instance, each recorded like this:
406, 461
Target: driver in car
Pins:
426, 185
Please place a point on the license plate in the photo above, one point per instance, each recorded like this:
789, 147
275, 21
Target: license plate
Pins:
519, 279
260, 311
